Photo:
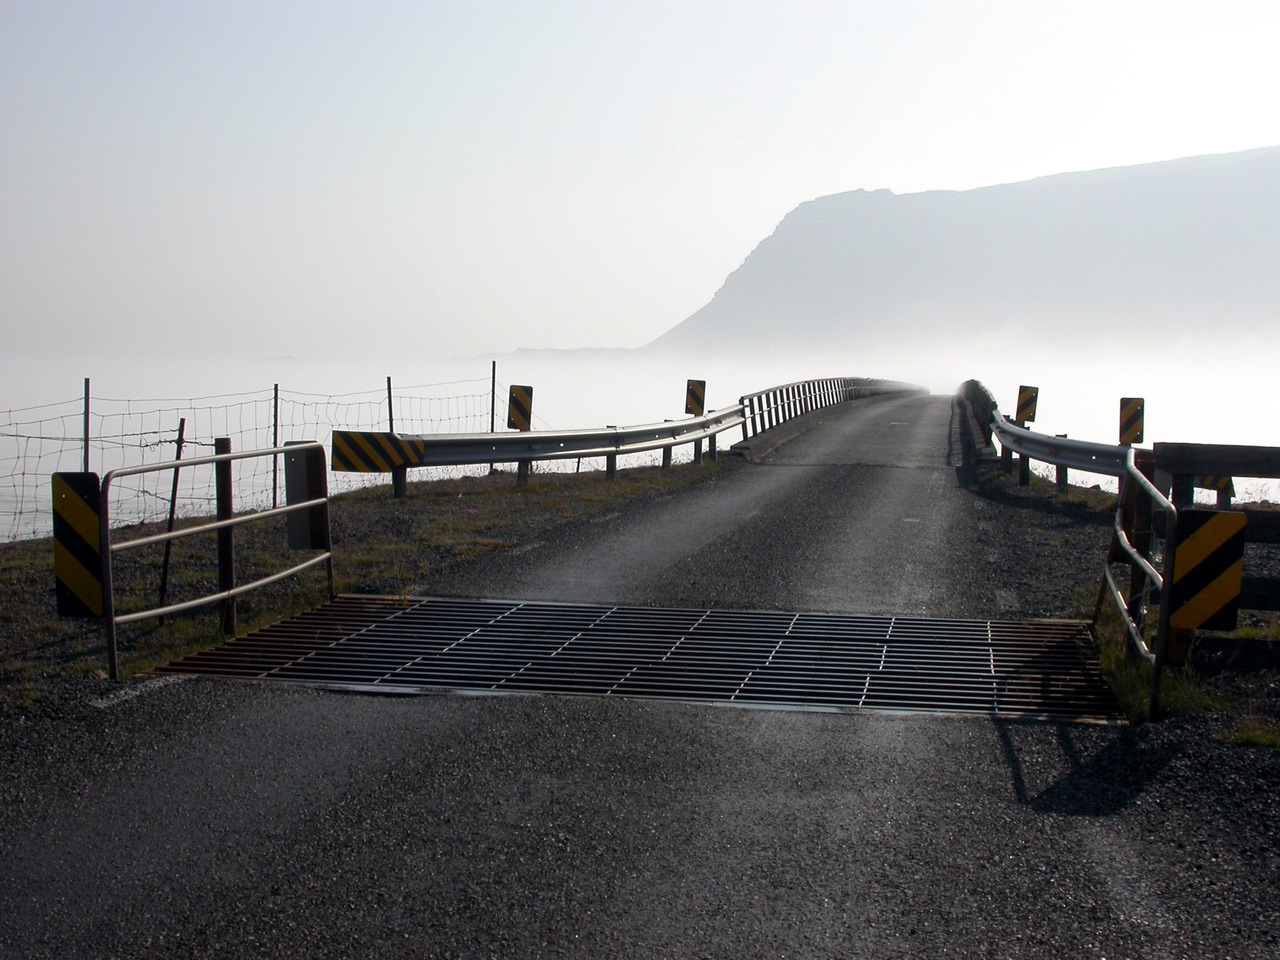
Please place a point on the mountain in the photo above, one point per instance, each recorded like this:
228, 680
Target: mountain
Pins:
1133, 254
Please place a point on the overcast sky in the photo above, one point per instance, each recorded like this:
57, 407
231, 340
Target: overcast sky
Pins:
456, 178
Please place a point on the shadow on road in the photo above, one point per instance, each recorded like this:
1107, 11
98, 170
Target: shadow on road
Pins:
1098, 782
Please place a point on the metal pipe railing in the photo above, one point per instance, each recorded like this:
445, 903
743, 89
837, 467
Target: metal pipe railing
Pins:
1152, 576
108, 549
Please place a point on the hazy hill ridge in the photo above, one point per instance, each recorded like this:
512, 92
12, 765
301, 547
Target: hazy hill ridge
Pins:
1128, 252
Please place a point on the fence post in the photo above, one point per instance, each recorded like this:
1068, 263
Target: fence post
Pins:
86, 426
226, 536
493, 403
399, 475
173, 515
275, 442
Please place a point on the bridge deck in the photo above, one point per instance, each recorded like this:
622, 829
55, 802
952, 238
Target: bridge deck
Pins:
1040, 668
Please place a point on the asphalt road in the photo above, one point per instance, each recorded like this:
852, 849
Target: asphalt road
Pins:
198, 818
866, 512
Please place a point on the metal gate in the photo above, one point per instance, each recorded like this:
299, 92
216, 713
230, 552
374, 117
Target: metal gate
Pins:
1039, 668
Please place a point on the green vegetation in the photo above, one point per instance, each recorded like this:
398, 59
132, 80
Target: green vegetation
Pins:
1254, 732
1183, 691
381, 546
1130, 677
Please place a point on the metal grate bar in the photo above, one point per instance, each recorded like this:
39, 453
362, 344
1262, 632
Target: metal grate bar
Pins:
1041, 668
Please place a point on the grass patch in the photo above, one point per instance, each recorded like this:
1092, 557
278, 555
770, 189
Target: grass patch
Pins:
1130, 675
1253, 732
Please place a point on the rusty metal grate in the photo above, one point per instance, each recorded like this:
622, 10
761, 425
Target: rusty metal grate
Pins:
1037, 668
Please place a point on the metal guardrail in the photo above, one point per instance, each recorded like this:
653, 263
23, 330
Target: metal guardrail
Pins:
754, 413
770, 408
1100, 458
317, 480
463, 449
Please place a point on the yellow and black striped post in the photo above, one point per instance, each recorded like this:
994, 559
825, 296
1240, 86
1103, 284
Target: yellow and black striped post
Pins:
369, 452
1027, 397
520, 417
695, 398
695, 402
77, 539
520, 409
1208, 570
1132, 414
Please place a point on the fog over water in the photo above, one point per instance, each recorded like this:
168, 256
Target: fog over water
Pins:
1229, 400
1201, 392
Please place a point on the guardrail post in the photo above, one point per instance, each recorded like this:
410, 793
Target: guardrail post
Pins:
1183, 492
1024, 462
611, 466
1062, 472
226, 535
523, 469
711, 448
697, 451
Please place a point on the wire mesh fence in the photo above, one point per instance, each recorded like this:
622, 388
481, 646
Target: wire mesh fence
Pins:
100, 434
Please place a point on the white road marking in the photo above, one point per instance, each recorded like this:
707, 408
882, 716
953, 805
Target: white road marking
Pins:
135, 690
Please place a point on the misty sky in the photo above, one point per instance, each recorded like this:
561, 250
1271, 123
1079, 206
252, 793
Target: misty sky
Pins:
455, 178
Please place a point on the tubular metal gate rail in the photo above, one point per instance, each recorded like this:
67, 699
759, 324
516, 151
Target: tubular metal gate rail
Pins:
754, 413
316, 479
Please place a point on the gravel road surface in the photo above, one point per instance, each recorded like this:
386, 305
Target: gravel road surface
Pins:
194, 818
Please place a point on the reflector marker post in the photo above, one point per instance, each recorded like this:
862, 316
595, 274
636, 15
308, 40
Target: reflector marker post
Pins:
1027, 397
520, 408
1132, 415
366, 452
1208, 570
77, 550
695, 402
